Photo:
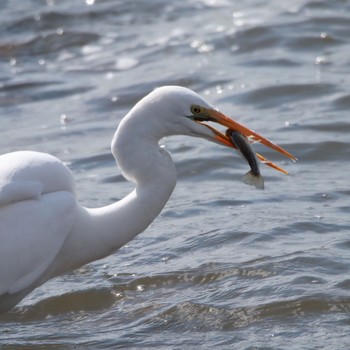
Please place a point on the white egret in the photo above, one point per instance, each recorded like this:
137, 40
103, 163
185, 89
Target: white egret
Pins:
45, 232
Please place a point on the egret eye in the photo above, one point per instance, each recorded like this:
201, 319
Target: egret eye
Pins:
196, 109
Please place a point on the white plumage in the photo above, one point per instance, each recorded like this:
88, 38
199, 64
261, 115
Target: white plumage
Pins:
45, 232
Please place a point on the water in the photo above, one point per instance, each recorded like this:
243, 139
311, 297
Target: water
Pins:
224, 265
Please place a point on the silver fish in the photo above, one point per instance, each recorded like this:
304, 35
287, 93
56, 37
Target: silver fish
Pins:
252, 177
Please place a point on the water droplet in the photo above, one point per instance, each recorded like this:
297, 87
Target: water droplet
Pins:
205, 48
219, 89
109, 75
118, 294
124, 63
321, 60
237, 14
195, 44
64, 120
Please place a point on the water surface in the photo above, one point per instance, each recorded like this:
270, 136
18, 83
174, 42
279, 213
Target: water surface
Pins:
224, 265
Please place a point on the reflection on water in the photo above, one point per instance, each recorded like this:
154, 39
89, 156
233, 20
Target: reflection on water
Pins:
224, 265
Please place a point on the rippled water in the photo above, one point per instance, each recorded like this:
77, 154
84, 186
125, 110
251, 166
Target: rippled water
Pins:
224, 265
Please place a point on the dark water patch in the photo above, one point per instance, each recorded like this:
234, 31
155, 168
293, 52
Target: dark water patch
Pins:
113, 179
292, 35
87, 301
324, 198
342, 103
205, 274
277, 95
315, 227
321, 264
344, 244
345, 192
337, 127
19, 86
181, 279
318, 5
338, 25
300, 307
307, 280
58, 94
215, 239
201, 168
322, 151
196, 317
30, 92
345, 284
13, 94
46, 19
312, 43
132, 13
253, 39
79, 301
42, 21
302, 228
29, 345
271, 62
48, 43
345, 209
93, 162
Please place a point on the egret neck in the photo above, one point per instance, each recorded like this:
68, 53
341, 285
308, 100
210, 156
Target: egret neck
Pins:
97, 232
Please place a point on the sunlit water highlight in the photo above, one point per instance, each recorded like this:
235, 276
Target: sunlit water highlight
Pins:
224, 265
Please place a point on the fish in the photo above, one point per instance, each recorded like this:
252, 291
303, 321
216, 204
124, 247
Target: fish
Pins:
253, 177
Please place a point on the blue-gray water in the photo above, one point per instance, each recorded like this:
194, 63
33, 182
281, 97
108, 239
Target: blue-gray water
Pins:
224, 265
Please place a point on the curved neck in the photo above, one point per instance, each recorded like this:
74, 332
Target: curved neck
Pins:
99, 232
120, 222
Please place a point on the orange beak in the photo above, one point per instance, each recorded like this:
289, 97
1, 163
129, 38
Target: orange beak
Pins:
220, 118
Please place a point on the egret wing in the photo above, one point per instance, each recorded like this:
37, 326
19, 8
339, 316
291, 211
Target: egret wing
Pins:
32, 232
27, 175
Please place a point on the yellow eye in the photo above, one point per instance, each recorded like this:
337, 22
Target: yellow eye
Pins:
196, 109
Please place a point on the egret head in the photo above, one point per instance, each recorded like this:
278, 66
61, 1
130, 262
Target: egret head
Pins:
185, 112
175, 110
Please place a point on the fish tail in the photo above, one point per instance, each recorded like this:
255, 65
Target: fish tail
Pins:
254, 180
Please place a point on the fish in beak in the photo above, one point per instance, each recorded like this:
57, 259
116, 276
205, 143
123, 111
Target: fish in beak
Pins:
239, 137
252, 177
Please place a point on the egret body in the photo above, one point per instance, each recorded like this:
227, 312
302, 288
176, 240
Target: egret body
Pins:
45, 232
